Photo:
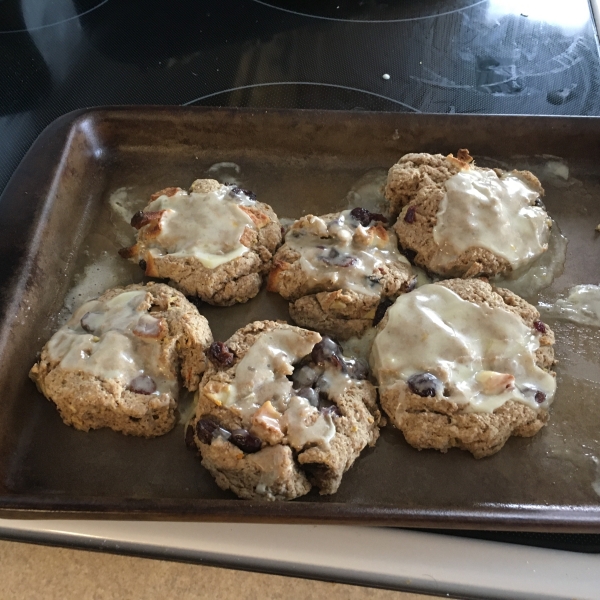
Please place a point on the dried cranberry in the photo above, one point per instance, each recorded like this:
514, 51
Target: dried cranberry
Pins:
381, 310
424, 384
357, 368
245, 441
142, 384
220, 355
189, 438
332, 411
362, 215
347, 261
205, 429
87, 322
143, 264
327, 350
333, 257
409, 217
541, 327
141, 218
324, 383
378, 217
310, 394
236, 191
538, 202
410, 254
540, 397
305, 376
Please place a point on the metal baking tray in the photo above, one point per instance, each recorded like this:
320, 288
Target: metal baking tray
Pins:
56, 221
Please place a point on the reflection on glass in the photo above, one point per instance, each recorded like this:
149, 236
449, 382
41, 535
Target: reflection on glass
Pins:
570, 16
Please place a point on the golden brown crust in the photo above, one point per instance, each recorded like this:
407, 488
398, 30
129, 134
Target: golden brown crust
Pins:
169, 191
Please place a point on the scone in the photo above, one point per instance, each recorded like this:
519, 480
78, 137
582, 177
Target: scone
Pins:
117, 361
458, 220
215, 242
462, 364
280, 409
336, 270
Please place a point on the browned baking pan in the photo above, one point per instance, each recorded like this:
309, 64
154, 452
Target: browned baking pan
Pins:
58, 228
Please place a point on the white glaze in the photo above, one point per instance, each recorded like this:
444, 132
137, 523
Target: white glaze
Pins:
262, 374
263, 396
208, 226
306, 425
465, 345
482, 210
361, 251
113, 349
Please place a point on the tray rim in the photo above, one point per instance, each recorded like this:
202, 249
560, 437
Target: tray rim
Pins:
582, 519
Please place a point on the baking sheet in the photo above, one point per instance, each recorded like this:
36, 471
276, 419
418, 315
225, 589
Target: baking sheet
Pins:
57, 221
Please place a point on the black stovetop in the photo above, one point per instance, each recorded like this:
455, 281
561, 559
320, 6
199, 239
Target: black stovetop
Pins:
441, 56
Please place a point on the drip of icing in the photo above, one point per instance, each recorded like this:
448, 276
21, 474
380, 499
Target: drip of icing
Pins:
542, 271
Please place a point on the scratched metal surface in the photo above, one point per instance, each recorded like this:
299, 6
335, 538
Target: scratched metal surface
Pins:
56, 221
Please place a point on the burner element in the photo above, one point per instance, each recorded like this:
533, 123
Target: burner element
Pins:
18, 16
370, 11
302, 94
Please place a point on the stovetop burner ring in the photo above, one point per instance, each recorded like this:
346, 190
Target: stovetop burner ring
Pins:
371, 21
77, 16
274, 83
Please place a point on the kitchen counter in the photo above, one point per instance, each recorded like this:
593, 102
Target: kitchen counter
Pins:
36, 572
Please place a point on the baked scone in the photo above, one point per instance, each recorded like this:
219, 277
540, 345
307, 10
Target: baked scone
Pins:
462, 364
215, 242
336, 270
458, 220
280, 409
117, 361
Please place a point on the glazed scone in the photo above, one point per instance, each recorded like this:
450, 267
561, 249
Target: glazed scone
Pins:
117, 361
215, 242
462, 364
280, 409
336, 270
458, 220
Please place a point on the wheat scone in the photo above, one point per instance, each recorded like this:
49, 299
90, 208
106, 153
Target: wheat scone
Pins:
415, 188
438, 423
172, 332
266, 462
231, 282
338, 303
